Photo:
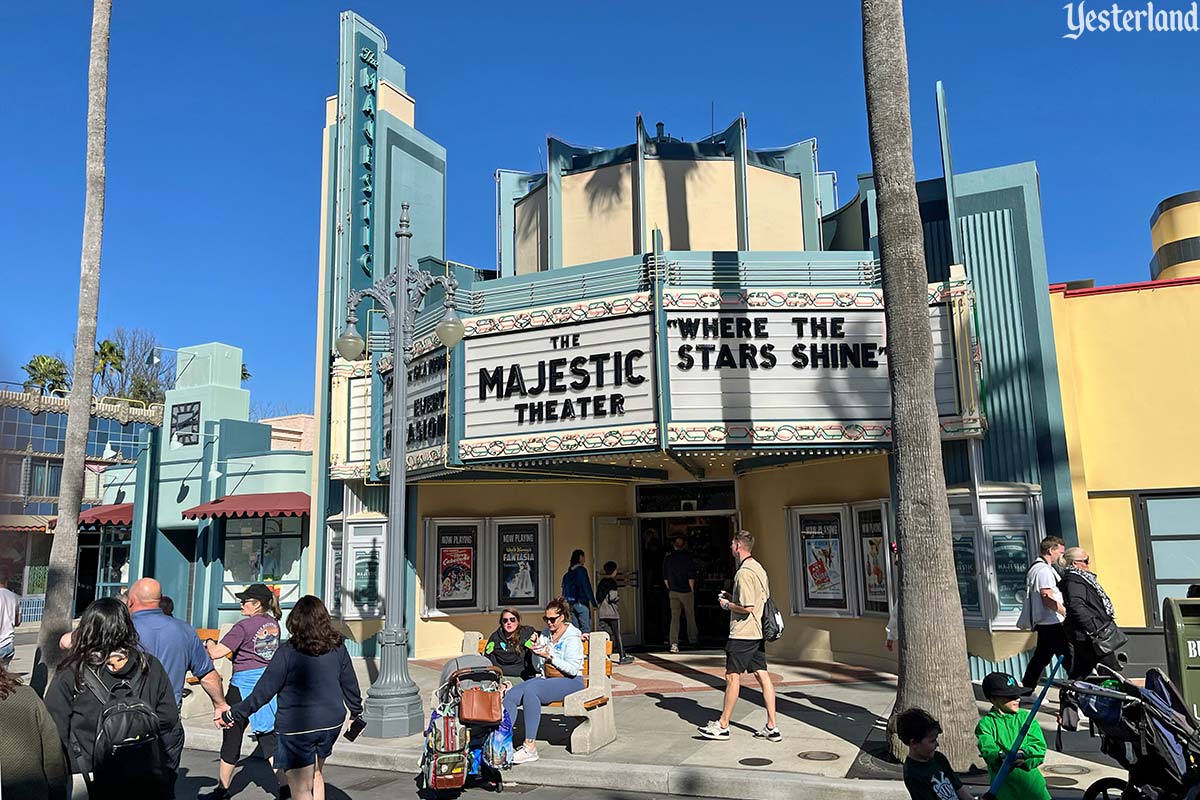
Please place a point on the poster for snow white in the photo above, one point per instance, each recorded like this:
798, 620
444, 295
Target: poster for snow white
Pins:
456, 568
518, 564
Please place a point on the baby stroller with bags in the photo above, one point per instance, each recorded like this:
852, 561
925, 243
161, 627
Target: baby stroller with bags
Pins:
1149, 731
467, 738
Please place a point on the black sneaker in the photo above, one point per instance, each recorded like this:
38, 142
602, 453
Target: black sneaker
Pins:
218, 793
285, 792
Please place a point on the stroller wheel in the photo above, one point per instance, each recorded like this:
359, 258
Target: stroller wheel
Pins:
1106, 789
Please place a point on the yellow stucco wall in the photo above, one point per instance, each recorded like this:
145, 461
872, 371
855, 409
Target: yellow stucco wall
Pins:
1127, 406
762, 498
597, 214
774, 206
1181, 222
532, 245
692, 202
397, 103
571, 505
1112, 545
1127, 354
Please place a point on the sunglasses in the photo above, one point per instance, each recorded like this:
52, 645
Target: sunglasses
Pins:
552, 619
1084, 561
507, 620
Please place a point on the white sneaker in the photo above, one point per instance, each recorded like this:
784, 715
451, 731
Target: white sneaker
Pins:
713, 730
523, 755
674, 648
769, 733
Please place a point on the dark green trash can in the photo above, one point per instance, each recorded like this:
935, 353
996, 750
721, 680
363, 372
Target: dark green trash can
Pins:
1181, 628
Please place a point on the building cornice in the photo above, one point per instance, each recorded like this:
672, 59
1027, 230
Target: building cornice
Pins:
122, 411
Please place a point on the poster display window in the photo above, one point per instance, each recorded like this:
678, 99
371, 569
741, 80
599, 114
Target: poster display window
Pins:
476, 565
874, 549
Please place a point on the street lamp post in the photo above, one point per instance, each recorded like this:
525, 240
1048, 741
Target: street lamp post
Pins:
393, 704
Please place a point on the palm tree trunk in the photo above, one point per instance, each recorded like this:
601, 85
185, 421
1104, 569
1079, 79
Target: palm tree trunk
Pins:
60, 587
933, 647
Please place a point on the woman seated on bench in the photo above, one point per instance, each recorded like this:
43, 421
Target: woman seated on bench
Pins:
508, 648
558, 660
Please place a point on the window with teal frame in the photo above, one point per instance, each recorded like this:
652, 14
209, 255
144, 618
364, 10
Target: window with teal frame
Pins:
265, 550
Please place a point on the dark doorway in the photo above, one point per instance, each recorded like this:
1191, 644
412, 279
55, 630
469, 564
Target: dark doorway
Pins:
87, 571
707, 539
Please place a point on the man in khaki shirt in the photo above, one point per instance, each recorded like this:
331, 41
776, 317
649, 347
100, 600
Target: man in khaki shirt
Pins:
745, 651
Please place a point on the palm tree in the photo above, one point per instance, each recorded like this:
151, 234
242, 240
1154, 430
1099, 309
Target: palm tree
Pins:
109, 355
60, 585
47, 373
933, 646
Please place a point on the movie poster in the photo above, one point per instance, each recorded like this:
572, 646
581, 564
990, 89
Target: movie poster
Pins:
821, 549
1011, 551
874, 560
519, 560
968, 574
456, 549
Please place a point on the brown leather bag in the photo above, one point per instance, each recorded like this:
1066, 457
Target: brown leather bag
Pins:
479, 707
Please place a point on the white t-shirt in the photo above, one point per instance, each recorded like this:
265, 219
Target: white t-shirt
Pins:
9, 603
1042, 576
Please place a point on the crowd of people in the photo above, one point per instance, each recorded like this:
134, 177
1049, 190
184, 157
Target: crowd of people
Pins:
123, 674
111, 712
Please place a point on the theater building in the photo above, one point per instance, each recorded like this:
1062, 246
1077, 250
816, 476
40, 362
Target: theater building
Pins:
678, 338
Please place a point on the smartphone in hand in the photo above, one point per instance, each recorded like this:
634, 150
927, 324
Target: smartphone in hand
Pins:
356, 727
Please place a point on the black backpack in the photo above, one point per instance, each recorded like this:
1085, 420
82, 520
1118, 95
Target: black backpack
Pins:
771, 620
127, 750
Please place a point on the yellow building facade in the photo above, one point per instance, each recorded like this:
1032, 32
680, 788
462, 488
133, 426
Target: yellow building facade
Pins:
1129, 381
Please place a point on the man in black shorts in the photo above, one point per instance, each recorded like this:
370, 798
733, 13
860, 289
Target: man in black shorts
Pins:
745, 651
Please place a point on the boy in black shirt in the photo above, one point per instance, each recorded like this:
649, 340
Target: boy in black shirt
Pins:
927, 773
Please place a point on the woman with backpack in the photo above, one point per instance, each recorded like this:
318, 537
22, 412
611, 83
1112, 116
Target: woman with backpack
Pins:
112, 704
251, 643
314, 683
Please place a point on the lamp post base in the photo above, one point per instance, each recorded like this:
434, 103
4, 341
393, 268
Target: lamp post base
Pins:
394, 716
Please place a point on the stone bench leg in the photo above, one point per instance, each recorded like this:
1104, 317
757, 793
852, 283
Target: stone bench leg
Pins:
594, 731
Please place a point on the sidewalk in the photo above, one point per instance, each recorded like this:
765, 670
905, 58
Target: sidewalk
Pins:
831, 717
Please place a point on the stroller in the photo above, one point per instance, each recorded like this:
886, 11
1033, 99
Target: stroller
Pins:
1149, 731
467, 738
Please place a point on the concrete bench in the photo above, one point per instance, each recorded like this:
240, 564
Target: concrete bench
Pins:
592, 705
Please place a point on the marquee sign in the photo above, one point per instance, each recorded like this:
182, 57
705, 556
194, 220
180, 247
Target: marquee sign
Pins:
560, 388
786, 368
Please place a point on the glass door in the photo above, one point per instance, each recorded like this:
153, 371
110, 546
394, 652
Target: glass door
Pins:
615, 539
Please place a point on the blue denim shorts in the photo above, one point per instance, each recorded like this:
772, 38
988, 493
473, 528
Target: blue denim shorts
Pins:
7, 651
296, 750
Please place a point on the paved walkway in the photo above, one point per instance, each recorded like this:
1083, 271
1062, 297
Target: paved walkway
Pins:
832, 718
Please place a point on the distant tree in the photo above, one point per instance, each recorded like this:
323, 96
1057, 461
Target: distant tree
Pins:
48, 373
269, 409
245, 373
142, 378
109, 358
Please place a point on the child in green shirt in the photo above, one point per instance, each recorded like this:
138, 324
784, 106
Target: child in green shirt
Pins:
927, 773
997, 732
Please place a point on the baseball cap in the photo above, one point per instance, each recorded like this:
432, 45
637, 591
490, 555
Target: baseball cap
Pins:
256, 591
998, 684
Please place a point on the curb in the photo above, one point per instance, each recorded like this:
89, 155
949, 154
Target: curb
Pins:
716, 782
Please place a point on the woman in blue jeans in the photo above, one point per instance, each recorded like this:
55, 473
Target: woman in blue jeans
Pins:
558, 660
577, 591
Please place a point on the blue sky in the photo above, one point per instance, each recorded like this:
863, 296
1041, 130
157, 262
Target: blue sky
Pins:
215, 118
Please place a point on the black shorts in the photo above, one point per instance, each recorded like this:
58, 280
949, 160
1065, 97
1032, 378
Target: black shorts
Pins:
745, 655
296, 750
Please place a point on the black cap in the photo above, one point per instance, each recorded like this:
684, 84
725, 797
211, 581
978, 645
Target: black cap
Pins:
256, 591
999, 684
